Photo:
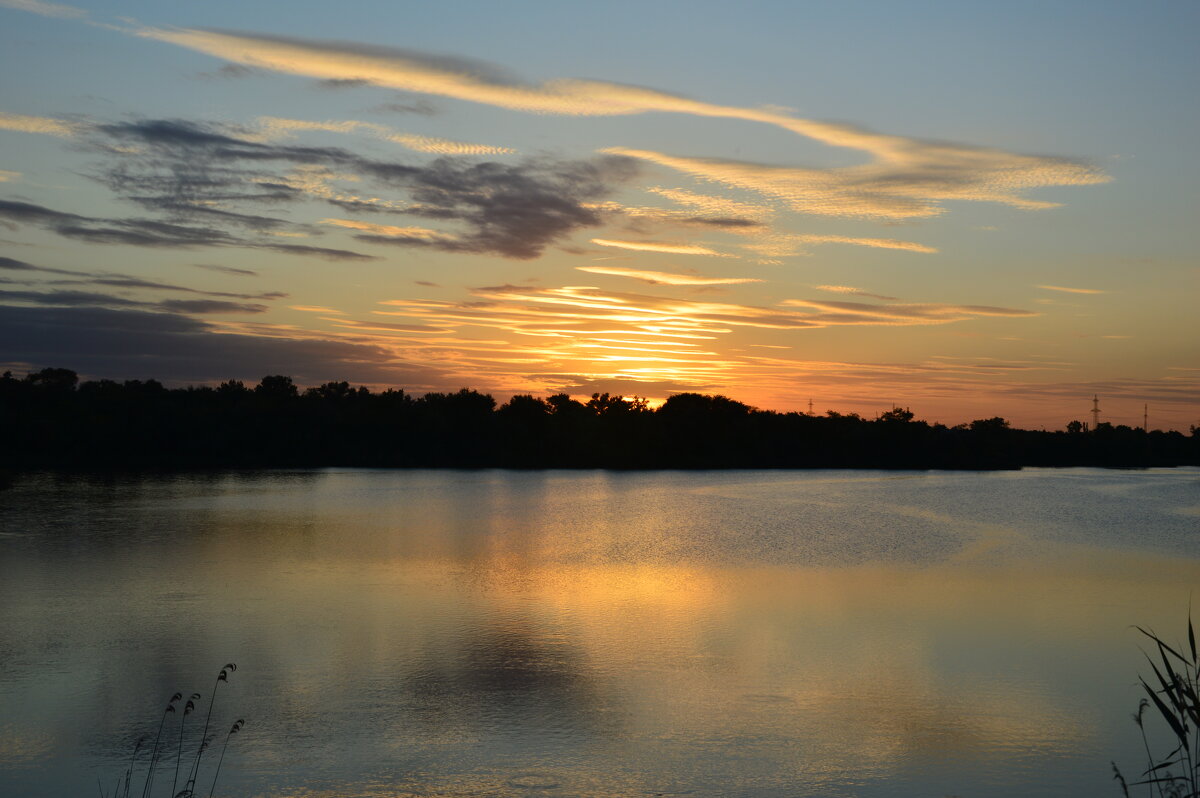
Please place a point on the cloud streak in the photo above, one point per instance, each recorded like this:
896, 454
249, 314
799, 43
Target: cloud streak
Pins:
906, 177
275, 127
666, 278
151, 233
43, 125
42, 8
1066, 290
660, 247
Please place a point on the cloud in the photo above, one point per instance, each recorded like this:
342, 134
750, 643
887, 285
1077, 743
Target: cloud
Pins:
713, 205
64, 298
422, 107
446, 146
513, 210
274, 127
846, 289
212, 267
45, 9
661, 247
392, 231
230, 72
529, 334
208, 306
510, 210
783, 244
1072, 290
31, 273
6, 175
906, 178
666, 278
134, 343
38, 124
527, 310
151, 233
316, 309
860, 312
642, 219
12, 264
387, 327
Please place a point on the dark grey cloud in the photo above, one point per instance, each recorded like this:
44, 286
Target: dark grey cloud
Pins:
32, 275
230, 72
121, 281
141, 232
70, 298
191, 171
342, 83
12, 264
359, 206
515, 210
320, 252
723, 222
201, 306
213, 267
414, 106
136, 344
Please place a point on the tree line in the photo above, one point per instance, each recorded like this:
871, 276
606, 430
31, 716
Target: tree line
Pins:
52, 420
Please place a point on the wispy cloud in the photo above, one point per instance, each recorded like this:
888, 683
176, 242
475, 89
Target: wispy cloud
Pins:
277, 127
1072, 290
709, 204
777, 245
45, 9
316, 309
556, 337
666, 278
896, 313
38, 124
847, 289
907, 177
440, 146
423, 234
6, 175
665, 247
212, 267
95, 299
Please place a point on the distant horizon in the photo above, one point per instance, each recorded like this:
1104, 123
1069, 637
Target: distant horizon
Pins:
653, 402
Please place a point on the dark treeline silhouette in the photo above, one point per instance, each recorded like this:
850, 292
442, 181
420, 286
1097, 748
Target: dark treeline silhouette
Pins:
50, 419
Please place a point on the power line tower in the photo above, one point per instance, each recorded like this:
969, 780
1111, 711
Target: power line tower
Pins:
1145, 418
810, 407
1095, 411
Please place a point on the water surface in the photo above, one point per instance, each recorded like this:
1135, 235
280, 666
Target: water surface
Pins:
493, 633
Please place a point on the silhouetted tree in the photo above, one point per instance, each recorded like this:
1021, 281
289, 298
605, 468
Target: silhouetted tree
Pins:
53, 420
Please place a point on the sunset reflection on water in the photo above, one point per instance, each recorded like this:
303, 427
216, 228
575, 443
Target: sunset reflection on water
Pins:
555, 634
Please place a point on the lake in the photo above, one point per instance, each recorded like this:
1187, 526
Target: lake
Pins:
594, 633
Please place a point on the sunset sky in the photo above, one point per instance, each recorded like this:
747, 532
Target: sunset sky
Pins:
967, 209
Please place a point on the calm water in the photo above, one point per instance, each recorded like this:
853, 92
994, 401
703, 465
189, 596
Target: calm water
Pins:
559, 634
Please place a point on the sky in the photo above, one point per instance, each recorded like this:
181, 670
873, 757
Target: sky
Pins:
966, 209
